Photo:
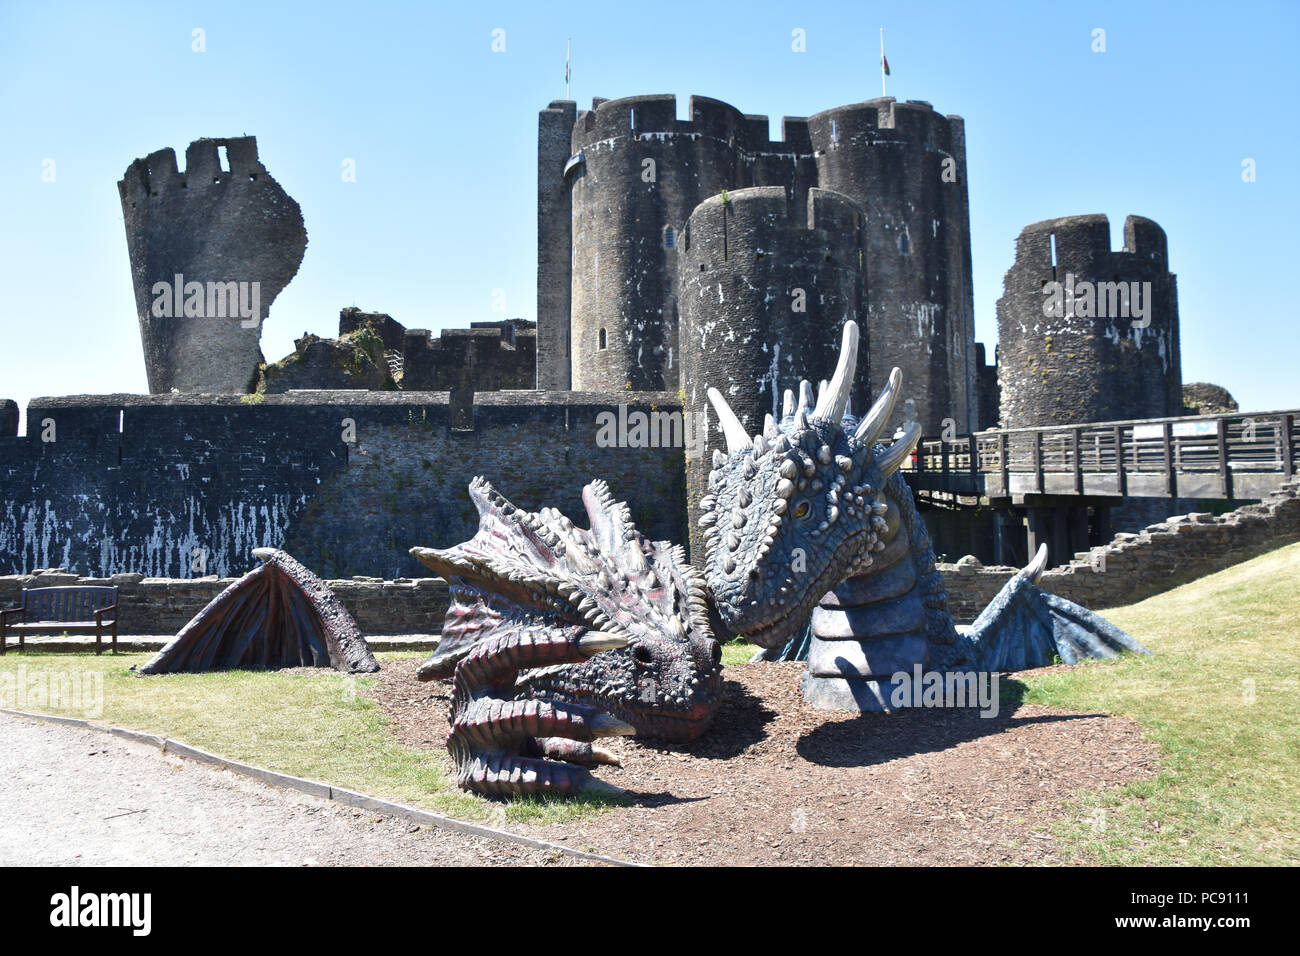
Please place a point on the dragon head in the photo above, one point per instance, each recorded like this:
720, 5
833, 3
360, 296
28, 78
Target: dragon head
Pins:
794, 511
538, 572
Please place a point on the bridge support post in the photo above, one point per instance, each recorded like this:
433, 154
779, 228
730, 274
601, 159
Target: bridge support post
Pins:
1078, 530
1037, 532
1102, 532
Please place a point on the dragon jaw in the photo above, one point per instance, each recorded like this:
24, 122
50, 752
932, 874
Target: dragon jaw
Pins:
795, 510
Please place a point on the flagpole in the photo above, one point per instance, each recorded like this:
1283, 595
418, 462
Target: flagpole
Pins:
882, 62
568, 52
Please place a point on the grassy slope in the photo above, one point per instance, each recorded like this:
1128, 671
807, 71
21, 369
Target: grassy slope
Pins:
1221, 697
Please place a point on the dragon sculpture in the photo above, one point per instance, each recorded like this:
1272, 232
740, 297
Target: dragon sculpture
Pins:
557, 636
815, 551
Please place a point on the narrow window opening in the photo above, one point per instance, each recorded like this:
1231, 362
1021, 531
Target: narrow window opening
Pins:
223, 162
904, 245
834, 135
670, 238
1052, 238
631, 120
121, 418
603, 340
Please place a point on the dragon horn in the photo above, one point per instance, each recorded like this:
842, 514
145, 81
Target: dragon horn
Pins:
835, 396
737, 437
900, 449
805, 396
874, 422
1032, 571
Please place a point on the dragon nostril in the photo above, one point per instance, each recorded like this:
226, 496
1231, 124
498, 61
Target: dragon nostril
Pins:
641, 654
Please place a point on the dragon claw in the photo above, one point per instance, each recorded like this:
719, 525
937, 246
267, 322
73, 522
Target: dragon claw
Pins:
503, 746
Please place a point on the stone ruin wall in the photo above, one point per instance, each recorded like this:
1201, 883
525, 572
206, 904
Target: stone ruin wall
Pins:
140, 484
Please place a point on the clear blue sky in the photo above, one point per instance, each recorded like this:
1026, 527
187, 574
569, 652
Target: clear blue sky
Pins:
443, 132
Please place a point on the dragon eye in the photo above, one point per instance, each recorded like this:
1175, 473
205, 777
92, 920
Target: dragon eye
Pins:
801, 510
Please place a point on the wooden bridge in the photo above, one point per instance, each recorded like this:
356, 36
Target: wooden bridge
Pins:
1206, 456
1060, 482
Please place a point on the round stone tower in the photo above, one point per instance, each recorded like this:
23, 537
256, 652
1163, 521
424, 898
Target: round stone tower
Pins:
766, 285
905, 165
1086, 334
637, 173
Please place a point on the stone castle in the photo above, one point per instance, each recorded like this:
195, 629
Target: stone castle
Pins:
673, 255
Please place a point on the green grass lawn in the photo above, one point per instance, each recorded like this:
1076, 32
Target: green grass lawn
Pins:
1221, 698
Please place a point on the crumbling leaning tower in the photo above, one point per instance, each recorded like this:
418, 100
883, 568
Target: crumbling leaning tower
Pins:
231, 238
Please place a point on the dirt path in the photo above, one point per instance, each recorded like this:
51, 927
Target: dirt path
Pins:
775, 781
80, 797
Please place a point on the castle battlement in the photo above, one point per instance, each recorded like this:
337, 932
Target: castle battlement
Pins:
656, 115
865, 123
157, 172
1086, 239
758, 216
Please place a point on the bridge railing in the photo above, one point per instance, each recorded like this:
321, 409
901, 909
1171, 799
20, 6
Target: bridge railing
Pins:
1233, 455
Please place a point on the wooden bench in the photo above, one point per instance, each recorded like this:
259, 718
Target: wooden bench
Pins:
81, 609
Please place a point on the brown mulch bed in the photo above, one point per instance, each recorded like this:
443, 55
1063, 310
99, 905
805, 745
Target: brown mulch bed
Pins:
777, 782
